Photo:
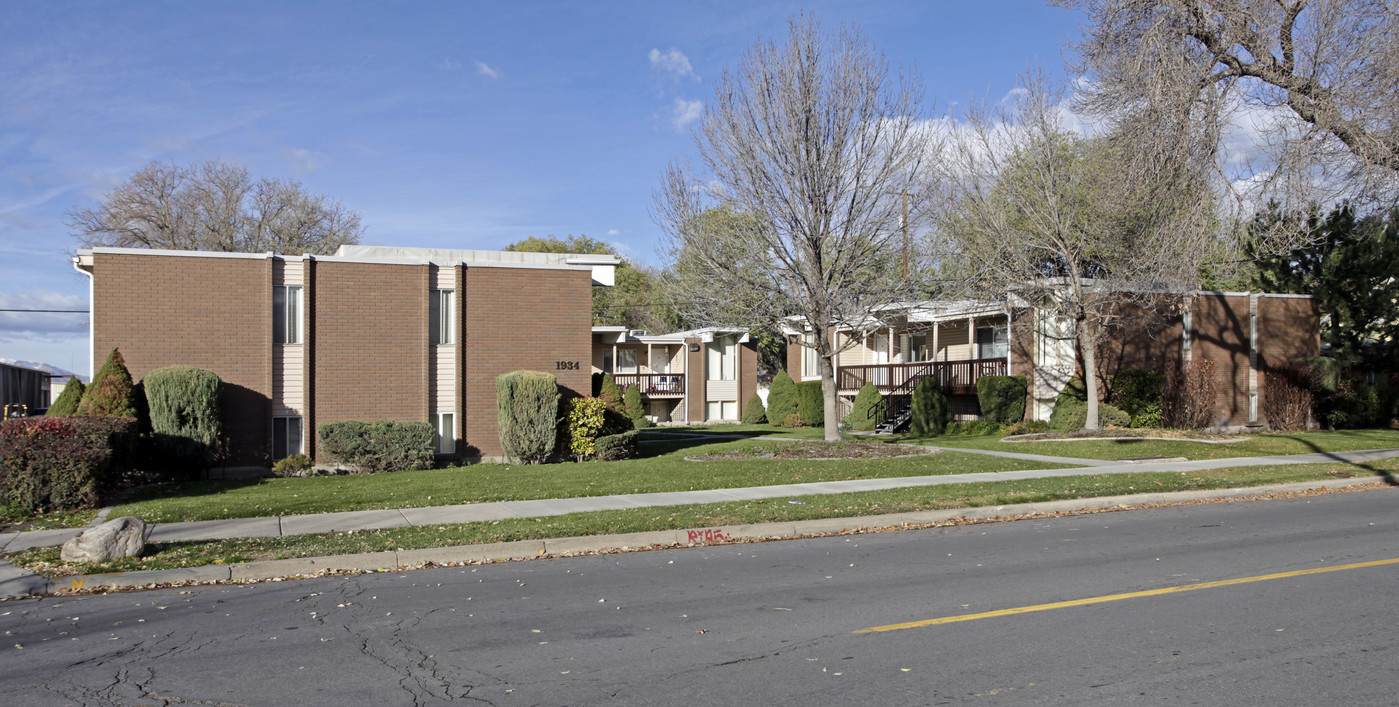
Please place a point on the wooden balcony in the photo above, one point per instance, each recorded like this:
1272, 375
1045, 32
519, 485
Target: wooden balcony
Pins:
956, 377
655, 385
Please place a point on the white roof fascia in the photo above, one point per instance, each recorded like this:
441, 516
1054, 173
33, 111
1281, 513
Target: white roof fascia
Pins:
179, 253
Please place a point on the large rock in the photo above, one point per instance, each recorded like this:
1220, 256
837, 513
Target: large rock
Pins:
123, 537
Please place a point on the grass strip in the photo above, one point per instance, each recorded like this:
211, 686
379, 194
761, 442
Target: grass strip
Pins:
15, 519
193, 554
1259, 445
482, 483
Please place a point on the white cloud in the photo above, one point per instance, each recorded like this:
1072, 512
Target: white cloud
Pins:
613, 232
448, 64
685, 112
487, 70
673, 61
303, 160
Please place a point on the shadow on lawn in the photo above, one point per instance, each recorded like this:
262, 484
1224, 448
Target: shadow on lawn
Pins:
180, 489
1384, 474
658, 441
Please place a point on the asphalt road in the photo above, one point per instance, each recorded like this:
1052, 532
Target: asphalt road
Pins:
778, 623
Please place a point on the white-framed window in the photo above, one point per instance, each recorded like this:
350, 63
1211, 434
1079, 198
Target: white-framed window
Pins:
445, 425
721, 410
440, 317
992, 342
1253, 407
286, 437
809, 358
1253, 332
1186, 322
286, 314
916, 349
626, 361
722, 359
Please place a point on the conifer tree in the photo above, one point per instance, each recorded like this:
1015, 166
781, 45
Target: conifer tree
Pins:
112, 392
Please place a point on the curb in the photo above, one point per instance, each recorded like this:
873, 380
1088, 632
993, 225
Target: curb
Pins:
277, 570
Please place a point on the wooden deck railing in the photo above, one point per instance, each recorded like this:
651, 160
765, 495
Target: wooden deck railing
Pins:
652, 383
956, 377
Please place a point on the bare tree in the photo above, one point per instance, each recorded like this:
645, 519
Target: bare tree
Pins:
1078, 229
1316, 80
806, 149
214, 206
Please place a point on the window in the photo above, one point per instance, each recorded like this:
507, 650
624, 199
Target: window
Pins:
445, 425
440, 317
286, 437
1185, 324
607, 361
1253, 333
286, 314
721, 410
916, 351
1253, 407
809, 358
992, 342
626, 361
722, 357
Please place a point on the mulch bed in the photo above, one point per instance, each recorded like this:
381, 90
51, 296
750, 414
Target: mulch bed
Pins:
814, 451
1120, 433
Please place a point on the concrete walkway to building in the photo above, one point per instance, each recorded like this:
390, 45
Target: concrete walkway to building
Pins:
278, 526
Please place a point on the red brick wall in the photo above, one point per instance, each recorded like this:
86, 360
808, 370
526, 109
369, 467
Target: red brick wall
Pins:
794, 357
211, 313
695, 380
747, 373
521, 319
370, 355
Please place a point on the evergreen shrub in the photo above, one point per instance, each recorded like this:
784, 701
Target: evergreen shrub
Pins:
112, 393
862, 413
753, 411
527, 414
184, 414
1002, 398
929, 409
610, 394
373, 447
782, 399
631, 404
1139, 392
67, 403
811, 403
616, 447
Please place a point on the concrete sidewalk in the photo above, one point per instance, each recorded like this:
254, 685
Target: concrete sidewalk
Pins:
278, 526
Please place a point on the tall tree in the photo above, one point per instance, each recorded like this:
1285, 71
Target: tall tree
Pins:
634, 301
1348, 265
1074, 227
1319, 79
806, 149
214, 206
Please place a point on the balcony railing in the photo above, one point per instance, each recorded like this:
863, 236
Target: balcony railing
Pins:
956, 377
652, 383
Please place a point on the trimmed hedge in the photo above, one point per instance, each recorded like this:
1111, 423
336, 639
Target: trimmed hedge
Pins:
753, 411
67, 403
811, 404
1002, 398
782, 399
583, 421
1071, 414
861, 417
974, 428
61, 463
373, 447
616, 447
1139, 392
527, 414
112, 392
184, 409
930, 413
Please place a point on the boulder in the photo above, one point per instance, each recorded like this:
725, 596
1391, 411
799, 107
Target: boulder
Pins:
123, 537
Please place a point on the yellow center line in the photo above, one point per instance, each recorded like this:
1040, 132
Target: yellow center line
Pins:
1127, 595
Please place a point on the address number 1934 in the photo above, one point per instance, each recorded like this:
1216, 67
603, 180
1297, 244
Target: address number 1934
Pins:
566, 365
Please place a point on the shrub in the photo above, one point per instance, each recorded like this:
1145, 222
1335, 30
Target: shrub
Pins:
610, 394
67, 403
1025, 427
782, 399
1190, 395
1287, 397
974, 428
792, 420
862, 413
642, 423
379, 446
111, 394
1071, 414
527, 414
631, 404
597, 384
1002, 398
184, 414
929, 409
811, 403
584, 421
614, 447
294, 465
1139, 392
61, 463
753, 411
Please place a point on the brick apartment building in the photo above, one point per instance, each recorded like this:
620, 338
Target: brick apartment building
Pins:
700, 375
370, 333
1243, 334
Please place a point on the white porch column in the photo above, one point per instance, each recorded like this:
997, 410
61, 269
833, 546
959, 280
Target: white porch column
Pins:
1010, 345
935, 341
971, 338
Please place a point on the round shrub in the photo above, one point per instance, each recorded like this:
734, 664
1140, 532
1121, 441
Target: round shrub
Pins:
792, 420
184, 409
294, 465
527, 413
1002, 398
753, 411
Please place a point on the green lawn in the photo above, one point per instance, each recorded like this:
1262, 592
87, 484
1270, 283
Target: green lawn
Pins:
1259, 445
191, 554
663, 468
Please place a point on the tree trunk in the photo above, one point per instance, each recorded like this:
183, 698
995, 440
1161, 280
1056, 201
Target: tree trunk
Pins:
828, 397
1089, 341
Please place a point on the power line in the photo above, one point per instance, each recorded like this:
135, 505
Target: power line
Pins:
49, 311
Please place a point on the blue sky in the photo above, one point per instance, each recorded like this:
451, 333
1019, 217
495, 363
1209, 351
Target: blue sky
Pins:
444, 124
